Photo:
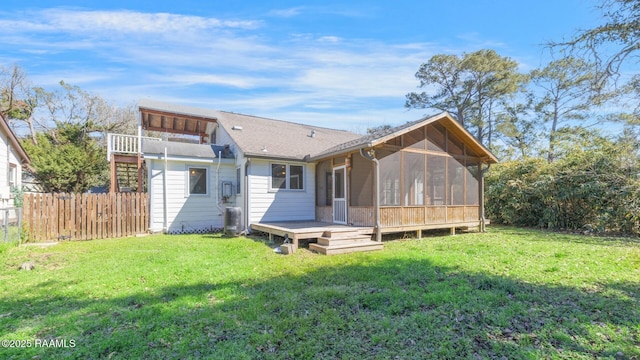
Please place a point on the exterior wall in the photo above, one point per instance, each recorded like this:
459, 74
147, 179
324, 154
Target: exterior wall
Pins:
266, 204
223, 138
8, 157
187, 213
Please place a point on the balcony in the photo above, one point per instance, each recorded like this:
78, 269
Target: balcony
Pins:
119, 144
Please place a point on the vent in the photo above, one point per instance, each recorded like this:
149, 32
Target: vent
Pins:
236, 127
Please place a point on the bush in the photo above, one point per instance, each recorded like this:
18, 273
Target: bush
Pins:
594, 190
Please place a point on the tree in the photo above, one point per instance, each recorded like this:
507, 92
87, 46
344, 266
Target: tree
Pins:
470, 87
67, 158
378, 129
610, 44
68, 151
17, 98
566, 94
517, 128
72, 105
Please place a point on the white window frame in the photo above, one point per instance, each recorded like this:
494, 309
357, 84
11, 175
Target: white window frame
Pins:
13, 175
187, 190
287, 180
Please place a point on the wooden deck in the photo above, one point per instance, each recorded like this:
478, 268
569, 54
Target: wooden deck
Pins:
299, 230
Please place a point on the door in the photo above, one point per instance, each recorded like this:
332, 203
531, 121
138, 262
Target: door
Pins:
340, 195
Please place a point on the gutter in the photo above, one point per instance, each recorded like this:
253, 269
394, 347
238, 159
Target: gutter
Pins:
376, 206
359, 147
218, 190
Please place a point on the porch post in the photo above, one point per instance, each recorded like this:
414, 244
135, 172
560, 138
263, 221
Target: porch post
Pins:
113, 186
376, 199
481, 197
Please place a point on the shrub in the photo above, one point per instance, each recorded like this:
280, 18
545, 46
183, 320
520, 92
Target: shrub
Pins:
593, 189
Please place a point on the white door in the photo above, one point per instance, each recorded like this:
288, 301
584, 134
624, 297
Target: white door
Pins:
340, 195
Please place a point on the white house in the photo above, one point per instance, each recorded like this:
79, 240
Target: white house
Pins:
12, 159
422, 175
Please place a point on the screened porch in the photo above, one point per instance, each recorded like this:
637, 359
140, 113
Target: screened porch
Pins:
429, 178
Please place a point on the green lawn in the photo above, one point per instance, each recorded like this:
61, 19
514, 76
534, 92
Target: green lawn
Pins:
509, 293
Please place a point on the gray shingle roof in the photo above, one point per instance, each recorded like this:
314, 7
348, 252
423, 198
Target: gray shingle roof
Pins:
380, 137
281, 139
364, 141
184, 149
262, 137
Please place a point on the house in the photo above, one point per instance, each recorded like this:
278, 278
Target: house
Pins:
422, 175
12, 159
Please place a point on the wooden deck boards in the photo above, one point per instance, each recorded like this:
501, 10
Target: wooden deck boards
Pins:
299, 230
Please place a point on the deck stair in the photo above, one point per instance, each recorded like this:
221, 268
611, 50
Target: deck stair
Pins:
342, 241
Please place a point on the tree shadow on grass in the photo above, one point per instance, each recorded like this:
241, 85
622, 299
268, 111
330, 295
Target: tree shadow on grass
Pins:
384, 309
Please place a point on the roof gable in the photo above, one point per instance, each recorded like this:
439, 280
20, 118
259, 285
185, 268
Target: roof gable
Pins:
13, 140
444, 118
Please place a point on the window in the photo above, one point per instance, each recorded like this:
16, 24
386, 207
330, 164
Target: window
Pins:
278, 176
287, 177
197, 181
238, 180
295, 177
13, 174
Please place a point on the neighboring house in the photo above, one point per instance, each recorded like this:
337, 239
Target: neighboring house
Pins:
12, 159
422, 175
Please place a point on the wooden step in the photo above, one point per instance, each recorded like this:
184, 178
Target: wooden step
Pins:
342, 240
346, 232
354, 246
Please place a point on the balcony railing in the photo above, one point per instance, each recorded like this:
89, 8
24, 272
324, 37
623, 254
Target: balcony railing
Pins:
125, 144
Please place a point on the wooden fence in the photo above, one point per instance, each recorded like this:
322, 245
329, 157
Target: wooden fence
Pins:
85, 216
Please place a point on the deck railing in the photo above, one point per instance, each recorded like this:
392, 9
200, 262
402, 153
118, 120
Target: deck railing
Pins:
125, 144
399, 216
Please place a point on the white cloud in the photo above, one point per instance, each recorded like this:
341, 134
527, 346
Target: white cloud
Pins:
123, 21
286, 13
236, 81
233, 65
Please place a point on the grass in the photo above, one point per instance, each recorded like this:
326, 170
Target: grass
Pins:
509, 293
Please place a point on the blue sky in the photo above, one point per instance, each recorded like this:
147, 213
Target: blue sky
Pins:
330, 63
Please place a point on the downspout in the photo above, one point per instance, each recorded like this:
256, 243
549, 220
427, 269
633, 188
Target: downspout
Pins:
164, 191
246, 195
218, 184
139, 160
376, 206
243, 190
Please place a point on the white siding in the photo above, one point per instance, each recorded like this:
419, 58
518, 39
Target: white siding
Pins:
223, 138
12, 158
266, 204
186, 213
